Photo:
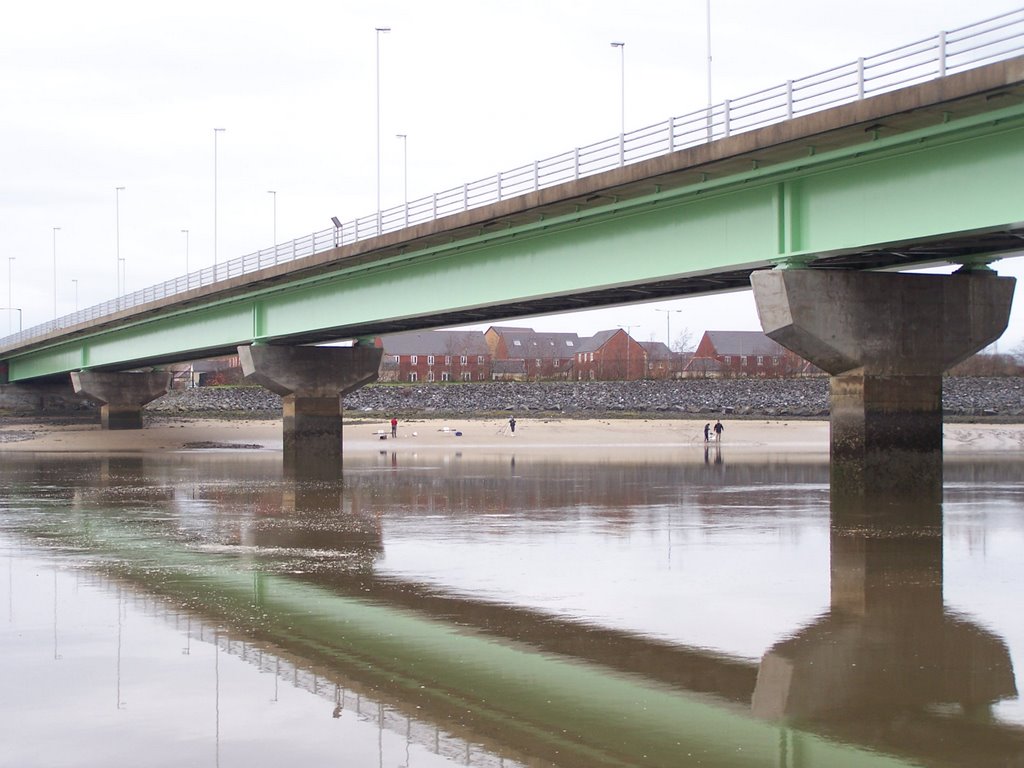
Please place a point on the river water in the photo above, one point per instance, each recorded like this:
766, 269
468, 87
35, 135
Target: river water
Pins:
201, 609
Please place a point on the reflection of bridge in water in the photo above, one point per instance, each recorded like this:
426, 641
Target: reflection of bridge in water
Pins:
343, 695
888, 667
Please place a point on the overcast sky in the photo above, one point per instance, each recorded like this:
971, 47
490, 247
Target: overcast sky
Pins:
106, 94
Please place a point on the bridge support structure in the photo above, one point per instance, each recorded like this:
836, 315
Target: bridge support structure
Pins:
885, 339
121, 394
311, 382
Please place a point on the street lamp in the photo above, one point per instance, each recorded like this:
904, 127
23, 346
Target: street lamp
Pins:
273, 193
14, 309
215, 132
117, 235
379, 31
668, 327
405, 174
55, 231
622, 81
185, 233
708, 19
10, 290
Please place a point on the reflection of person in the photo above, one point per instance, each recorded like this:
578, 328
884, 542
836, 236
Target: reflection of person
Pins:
718, 430
707, 432
394, 427
512, 424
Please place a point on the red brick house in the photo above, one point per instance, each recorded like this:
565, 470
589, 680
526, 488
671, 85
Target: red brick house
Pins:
737, 354
543, 355
662, 362
610, 356
429, 356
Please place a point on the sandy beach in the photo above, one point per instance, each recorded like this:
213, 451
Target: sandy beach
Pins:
632, 437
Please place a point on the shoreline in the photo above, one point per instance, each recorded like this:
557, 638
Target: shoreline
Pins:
625, 437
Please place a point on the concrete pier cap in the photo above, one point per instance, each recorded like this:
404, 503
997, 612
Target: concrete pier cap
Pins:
121, 394
885, 338
311, 382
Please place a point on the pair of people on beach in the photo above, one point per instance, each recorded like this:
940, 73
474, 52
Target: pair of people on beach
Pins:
718, 431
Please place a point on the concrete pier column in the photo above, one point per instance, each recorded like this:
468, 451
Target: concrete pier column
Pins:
886, 339
311, 381
121, 395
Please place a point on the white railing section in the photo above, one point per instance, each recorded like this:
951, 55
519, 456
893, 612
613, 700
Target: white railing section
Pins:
994, 39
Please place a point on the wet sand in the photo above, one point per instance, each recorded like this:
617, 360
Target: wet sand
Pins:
635, 437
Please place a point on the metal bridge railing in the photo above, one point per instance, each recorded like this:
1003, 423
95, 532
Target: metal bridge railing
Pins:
994, 39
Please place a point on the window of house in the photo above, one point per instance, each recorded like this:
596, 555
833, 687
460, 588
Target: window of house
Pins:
430, 376
568, 342
760, 360
462, 359
775, 361
743, 359
517, 343
414, 359
413, 376
447, 359
446, 376
592, 376
467, 376
556, 362
430, 359
728, 359
538, 362
591, 358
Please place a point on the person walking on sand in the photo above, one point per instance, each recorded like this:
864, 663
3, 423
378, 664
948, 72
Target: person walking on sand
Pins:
718, 431
394, 427
707, 432
512, 424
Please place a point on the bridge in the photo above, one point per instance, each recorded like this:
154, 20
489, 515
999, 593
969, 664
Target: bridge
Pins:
813, 194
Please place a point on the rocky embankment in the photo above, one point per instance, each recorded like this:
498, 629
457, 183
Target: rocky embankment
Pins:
997, 398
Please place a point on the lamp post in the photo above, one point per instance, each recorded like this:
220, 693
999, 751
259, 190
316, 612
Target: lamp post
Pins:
185, 233
668, 326
405, 174
273, 194
74, 281
708, 19
215, 132
379, 30
14, 309
10, 290
117, 236
55, 231
622, 82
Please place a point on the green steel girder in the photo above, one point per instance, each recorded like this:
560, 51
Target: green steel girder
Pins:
951, 178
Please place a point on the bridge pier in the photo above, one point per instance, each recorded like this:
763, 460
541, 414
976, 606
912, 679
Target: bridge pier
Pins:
311, 381
885, 339
121, 395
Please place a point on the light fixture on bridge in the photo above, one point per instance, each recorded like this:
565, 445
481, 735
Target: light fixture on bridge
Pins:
337, 230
